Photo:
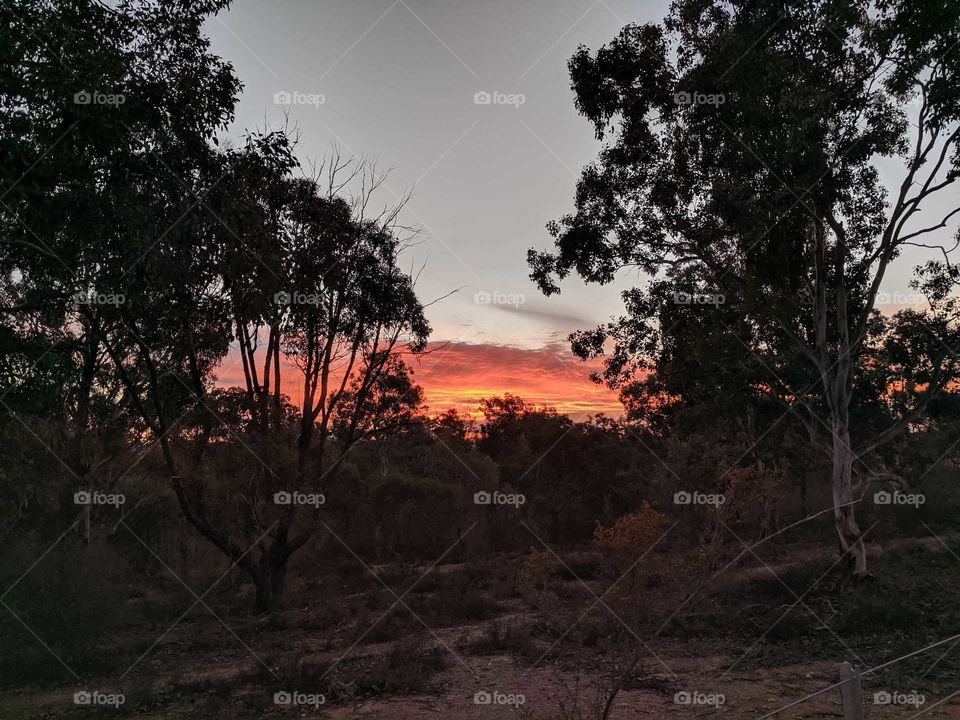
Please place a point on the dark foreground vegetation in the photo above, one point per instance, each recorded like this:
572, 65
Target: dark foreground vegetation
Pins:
780, 495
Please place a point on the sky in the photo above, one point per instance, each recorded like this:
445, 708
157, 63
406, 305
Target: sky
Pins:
468, 104
398, 81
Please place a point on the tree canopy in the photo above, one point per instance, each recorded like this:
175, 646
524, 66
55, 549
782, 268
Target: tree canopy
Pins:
741, 173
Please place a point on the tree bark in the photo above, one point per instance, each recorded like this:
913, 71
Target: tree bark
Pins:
835, 376
848, 532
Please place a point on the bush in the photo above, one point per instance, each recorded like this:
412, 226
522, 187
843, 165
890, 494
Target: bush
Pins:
627, 540
537, 568
632, 533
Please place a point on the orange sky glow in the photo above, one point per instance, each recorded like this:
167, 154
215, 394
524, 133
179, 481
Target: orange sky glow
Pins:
459, 374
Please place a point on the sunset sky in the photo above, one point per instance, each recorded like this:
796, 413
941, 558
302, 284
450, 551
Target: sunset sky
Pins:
486, 178
459, 374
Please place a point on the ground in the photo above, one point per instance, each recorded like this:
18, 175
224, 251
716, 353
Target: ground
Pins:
763, 633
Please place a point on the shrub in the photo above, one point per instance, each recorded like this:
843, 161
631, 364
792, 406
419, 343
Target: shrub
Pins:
632, 533
625, 542
537, 568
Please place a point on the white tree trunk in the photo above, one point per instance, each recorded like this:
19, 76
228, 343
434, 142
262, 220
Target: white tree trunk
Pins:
851, 539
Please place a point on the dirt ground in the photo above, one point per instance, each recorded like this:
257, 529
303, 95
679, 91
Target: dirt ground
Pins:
544, 654
747, 695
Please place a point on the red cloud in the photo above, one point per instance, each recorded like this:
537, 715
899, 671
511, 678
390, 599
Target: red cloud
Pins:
459, 374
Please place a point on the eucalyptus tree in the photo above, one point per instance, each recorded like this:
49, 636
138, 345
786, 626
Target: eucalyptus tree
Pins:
741, 171
103, 107
320, 310
136, 253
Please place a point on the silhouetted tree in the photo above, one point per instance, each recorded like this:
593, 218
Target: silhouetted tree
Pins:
741, 162
134, 251
104, 109
572, 474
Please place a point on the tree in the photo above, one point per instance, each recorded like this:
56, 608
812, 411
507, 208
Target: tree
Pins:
103, 107
572, 474
134, 251
741, 174
315, 296
307, 288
